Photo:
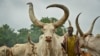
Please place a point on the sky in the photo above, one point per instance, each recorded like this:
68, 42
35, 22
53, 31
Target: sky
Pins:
15, 12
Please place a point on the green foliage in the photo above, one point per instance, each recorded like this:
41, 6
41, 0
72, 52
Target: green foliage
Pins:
7, 35
45, 20
22, 36
60, 31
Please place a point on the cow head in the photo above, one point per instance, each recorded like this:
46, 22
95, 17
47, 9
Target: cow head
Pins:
48, 28
88, 34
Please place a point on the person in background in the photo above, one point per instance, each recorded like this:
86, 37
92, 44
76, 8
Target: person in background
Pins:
71, 43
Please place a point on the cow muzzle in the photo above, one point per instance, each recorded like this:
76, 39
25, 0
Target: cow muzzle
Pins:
48, 39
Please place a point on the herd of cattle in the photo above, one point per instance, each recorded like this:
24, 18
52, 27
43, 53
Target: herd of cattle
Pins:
49, 42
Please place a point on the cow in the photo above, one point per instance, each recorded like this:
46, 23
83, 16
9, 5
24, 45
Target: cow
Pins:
25, 49
49, 44
88, 40
4, 51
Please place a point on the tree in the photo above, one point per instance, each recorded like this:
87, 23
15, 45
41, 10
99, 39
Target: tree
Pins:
7, 35
22, 36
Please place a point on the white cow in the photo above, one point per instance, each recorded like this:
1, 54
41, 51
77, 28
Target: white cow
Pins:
49, 44
25, 49
91, 42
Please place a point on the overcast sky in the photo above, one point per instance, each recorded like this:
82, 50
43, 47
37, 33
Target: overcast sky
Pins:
15, 12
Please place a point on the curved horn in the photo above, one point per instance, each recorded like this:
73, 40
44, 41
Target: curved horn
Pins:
65, 16
32, 16
77, 25
91, 28
29, 40
69, 23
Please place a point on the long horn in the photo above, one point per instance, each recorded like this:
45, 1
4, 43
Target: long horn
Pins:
91, 28
69, 23
29, 39
65, 16
32, 16
77, 25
